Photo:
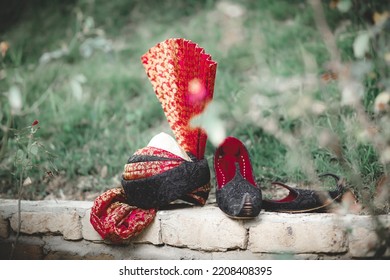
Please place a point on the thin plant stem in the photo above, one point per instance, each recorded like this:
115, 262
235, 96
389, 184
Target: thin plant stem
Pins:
5, 137
19, 214
323, 28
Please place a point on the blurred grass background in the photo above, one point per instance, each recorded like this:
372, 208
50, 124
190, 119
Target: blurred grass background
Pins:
75, 66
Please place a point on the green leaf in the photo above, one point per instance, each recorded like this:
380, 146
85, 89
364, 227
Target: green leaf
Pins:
34, 149
20, 155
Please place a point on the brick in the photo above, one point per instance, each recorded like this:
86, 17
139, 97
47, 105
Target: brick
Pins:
67, 224
189, 233
70, 256
88, 231
21, 252
28, 252
58, 248
198, 228
151, 234
27, 248
8, 207
4, 228
297, 234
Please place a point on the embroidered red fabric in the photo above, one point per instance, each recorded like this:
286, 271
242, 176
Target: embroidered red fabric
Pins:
144, 169
117, 221
183, 76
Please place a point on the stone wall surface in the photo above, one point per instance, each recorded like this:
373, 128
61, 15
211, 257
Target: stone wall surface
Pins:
61, 230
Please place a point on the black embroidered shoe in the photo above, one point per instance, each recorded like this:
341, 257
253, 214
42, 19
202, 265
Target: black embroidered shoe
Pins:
237, 194
301, 200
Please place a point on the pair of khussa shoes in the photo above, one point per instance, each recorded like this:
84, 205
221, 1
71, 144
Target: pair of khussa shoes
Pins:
240, 197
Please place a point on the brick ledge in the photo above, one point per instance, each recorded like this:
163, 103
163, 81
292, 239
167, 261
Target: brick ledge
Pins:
61, 230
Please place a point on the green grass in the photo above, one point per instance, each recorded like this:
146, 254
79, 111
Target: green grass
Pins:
118, 113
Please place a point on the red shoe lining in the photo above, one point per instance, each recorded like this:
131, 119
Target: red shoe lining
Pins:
230, 152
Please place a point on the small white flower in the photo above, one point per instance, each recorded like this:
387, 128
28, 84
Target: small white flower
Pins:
352, 93
15, 99
382, 102
385, 155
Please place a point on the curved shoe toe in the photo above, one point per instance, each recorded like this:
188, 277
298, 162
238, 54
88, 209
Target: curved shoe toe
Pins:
239, 199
